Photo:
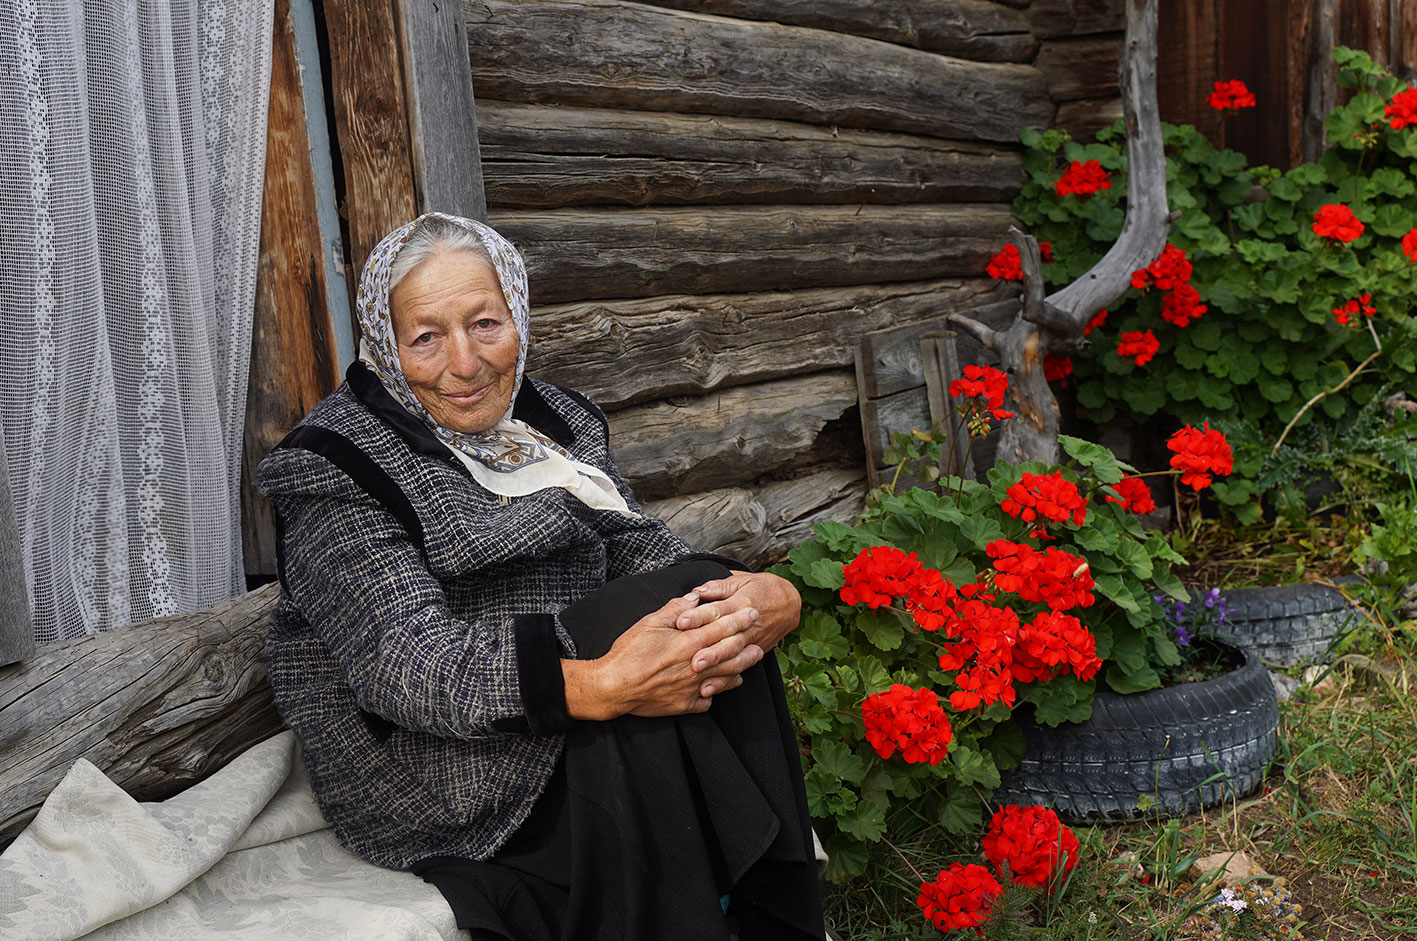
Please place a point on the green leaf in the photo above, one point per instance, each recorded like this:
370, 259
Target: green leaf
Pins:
865, 821
1094, 539
979, 531
1135, 558
837, 761
823, 631
972, 767
1393, 220
846, 858
1102, 462
1006, 743
1166, 580
1134, 681
825, 573
883, 630
1115, 590
875, 678
818, 684
1274, 388
961, 809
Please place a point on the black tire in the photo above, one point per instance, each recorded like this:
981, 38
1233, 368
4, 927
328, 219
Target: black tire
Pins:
1185, 747
1288, 624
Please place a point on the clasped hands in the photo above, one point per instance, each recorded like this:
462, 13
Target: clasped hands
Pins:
674, 660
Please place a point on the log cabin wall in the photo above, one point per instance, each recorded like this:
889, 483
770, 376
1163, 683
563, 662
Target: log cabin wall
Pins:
717, 197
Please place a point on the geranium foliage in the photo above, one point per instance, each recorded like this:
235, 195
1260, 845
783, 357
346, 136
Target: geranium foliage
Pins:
1265, 295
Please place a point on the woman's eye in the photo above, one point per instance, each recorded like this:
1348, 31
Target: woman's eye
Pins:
423, 339
486, 323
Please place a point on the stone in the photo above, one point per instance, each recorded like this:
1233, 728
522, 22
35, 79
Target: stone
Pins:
1238, 867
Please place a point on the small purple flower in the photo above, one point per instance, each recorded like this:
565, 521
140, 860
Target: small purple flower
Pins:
1183, 636
1211, 597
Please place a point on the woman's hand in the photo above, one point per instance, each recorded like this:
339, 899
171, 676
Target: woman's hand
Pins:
777, 601
659, 669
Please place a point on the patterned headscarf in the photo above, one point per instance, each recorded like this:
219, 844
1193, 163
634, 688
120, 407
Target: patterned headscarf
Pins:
511, 458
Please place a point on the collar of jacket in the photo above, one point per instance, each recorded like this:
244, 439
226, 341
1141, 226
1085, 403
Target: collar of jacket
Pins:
531, 408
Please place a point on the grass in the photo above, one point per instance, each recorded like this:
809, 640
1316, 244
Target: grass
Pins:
1334, 826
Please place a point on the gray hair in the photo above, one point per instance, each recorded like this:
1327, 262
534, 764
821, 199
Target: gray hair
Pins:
434, 236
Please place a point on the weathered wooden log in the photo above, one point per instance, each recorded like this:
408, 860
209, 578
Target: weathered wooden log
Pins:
609, 53
970, 29
547, 157
16, 626
729, 437
760, 527
156, 706
1070, 67
1083, 119
623, 352
1049, 19
583, 254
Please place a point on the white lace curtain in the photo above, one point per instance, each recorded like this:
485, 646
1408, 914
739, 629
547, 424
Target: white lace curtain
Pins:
132, 150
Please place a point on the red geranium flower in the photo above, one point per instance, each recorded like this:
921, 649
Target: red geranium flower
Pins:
1409, 246
909, 721
987, 383
1170, 270
1135, 495
1200, 454
1045, 249
1099, 319
1057, 578
1056, 366
1230, 96
961, 897
1403, 110
1142, 345
1082, 178
1050, 496
1033, 842
1362, 305
1051, 643
1182, 305
879, 575
985, 639
1336, 221
1006, 265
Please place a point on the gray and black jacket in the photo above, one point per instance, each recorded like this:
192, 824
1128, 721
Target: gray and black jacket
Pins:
415, 650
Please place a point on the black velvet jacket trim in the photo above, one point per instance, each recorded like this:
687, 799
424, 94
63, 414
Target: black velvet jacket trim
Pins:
539, 676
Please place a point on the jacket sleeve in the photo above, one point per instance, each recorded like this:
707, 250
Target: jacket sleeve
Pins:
360, 581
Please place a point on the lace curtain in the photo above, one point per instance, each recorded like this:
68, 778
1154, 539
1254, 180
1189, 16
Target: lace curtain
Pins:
132, 150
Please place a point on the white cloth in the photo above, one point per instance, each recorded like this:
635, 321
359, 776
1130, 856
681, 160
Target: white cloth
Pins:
132, 155
243, 855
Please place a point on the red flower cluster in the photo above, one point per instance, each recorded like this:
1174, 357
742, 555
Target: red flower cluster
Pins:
1033, 842
1230, 96
1056, 366
1199, 455
1045, 249
1006, 265
1182, 306
1134, 495
1170, 270
1139, 344
1409, 246
1336, 221
1047, 495
878, 575
909, 721
1363, 304
961, 897
1082, 178
1056, 578
1098, 320
1403, 110
986, 636
1052, 643
984, 382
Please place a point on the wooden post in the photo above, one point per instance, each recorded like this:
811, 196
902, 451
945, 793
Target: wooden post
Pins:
447, 166
940, 360
16, 628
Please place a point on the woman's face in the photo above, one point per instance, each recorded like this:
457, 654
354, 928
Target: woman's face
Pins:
456, 340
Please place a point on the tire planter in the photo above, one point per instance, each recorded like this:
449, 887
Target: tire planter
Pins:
1287, 624
1185, 747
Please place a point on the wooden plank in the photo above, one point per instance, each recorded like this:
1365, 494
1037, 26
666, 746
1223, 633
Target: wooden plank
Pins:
940, 359
889, 360
16, 627
1081, 68
759, 528
294, 361
1050, 19
880, 418
1188, 62
978, 30
609, 53
1405, 40
583, 254
1083, 119
447, 171
1254, 48
156, 706
371, 122
546, 157
623, 352
729, 437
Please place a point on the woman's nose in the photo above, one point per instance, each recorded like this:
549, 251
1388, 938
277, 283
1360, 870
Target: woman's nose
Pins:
463, 358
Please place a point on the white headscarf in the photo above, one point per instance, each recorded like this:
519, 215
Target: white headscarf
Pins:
511, 458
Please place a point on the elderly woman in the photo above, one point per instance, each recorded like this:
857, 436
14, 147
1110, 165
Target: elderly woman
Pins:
504, 675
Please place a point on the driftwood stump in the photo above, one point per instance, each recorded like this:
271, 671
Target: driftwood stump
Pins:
156, 706
1054, 324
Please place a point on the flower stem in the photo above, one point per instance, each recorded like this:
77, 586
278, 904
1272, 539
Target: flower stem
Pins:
908, 863
1319, 395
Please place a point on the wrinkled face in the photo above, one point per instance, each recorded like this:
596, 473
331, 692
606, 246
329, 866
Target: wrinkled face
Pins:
456, 340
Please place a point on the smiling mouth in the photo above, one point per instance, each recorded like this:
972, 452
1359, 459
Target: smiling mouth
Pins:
463, 398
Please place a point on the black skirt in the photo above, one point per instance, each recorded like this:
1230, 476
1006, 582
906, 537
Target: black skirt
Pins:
682, 828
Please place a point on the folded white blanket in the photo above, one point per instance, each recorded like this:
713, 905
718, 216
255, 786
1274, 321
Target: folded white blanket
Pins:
243, 855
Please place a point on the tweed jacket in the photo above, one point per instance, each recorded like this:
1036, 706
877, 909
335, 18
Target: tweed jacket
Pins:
415, 650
